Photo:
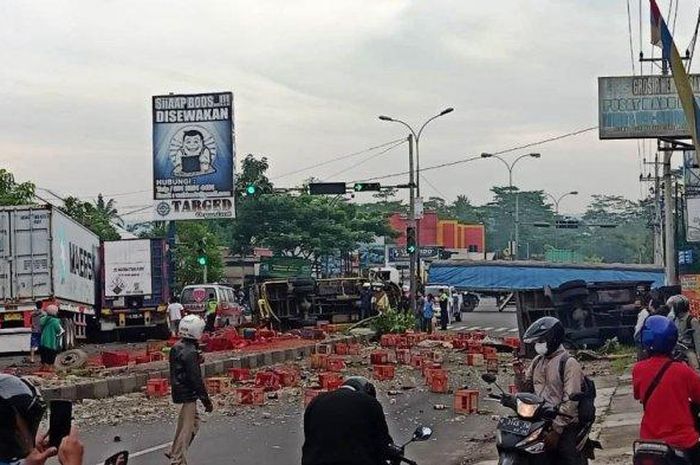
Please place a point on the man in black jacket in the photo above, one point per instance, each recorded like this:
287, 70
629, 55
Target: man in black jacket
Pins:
187, 386
346, 426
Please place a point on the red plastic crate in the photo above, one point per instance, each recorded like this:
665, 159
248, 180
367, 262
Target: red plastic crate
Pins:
218, 385
475, 347
156, 356
388, 340
384, 372
353, 349
139, 359
429, 367
416, 360
379, 357
460, 343
489, 351
319, 361
403, 356
325, 349
475, 360
330, 380
250, 396
478, 335
466, 401
157, 387
288, 377
335, 363
512, 389
115, 359
438, 381
341, 348
513, 342
239, 374
268, 380
311, 394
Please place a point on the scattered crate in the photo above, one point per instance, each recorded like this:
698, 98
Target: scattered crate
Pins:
157, 387
239, 374
388, 340
311, 394
249, 396
379, 357
427, 367
288, 376
325, 349
466, 401
416, 360
335, 363
475, 347
438, 381
330, 380
403, 356
341, 348
218, 385
384, 372
460, 343
140, 359
513, 342
489, 352
319, 361
268, 380
115, 359
353, 348
512, 389
475, 360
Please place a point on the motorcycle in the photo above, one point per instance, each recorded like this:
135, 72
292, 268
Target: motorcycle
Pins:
658, 453
422, 433
520, 437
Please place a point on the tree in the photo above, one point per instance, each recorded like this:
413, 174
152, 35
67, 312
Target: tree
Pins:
190, 235
13, 193
96, 219
107, 210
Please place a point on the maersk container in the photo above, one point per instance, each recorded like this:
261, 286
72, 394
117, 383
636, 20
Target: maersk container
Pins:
135, 284
45, 256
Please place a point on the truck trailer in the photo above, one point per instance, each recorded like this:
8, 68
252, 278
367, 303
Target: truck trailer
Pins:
45, 256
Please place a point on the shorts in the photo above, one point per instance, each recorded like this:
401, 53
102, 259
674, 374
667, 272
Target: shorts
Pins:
174, 326
48, 356
36, 340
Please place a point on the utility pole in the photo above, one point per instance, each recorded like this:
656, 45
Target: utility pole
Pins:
658, 229
412, 223
670, 219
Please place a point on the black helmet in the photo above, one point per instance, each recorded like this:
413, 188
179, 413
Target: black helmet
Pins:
361, 384
679, 304
19, 400
547, 329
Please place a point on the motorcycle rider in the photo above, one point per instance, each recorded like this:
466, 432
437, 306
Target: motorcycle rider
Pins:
666, 388
543, 379
688, 328
187, 386
347, 426
21, 411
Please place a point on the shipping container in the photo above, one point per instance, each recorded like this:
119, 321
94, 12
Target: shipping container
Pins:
45, 256
135, 285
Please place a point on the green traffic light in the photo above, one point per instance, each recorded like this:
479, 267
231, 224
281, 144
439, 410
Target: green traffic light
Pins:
202, 260
411, 249
250, 189
358, 187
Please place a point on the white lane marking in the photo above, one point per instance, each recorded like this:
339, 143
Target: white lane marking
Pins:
145, 451
489, 328
500, 330
514, 330
474, 328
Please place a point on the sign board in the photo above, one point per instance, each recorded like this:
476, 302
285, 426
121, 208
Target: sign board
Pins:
399, 254
692, 219
127, 266
371, 255
690, 287
284, 267
638, 107
419, 208
193, 156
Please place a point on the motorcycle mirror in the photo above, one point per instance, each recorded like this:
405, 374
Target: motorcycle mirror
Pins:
422, 433
488, 378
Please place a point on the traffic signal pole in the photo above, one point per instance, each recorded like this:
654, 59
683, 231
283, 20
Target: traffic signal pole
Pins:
412, 223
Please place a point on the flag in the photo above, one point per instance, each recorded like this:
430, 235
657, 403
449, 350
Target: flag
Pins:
661, 36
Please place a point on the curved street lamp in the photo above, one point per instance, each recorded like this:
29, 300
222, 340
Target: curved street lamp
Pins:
558, 199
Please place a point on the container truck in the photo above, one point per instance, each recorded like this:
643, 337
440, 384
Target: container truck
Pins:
45, 256
135, 287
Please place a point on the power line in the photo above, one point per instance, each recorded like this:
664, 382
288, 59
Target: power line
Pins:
433, 186
466, 160
365, 160
333, 160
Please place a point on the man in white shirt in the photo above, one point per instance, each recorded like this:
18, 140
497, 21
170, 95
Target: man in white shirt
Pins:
174, 315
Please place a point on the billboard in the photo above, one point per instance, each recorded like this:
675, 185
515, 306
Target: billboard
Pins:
193, 156
285, 267
127, 267
637, 107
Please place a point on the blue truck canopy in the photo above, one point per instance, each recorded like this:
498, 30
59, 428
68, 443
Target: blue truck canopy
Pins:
509, 276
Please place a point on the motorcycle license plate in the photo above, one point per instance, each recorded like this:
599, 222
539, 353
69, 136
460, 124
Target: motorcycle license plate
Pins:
514, 426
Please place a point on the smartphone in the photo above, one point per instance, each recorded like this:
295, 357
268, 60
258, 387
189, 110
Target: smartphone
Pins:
120, 458
60, 418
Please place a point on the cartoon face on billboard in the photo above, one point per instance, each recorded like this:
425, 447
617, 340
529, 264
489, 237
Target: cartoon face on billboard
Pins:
192, 152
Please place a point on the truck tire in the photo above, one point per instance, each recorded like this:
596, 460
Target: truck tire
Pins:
71, 360
68, 341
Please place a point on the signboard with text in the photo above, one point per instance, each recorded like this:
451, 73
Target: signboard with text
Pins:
638, 107
285, 267
193, 156
399, 254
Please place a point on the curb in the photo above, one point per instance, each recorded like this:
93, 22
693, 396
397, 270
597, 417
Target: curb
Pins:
119, 385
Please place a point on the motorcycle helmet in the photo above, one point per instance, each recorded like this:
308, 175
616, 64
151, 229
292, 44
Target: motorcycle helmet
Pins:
548, 330
21, 411
360, 384
679, 304
191, 327
659, 335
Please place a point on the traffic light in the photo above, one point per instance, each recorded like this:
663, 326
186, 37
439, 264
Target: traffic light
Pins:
367, 186
202, 260
568, 223
411, 246
250, 189
202, 257
327, 188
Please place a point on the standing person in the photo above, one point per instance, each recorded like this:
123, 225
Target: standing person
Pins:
347, 426
428, 314
381, 300
666, 389
37, 313
420, 301
688, 328
365, 301
543, 378
405, 299
174, 314
444, 312
652, 308
187, 386
210, 312
51, 331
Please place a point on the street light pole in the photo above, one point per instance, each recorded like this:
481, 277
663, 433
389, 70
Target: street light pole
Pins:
509, 167
412, 222
558, 199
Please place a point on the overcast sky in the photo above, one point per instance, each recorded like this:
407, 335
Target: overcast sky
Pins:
309, 79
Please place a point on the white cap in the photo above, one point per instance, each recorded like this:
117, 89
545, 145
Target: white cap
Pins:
366, 285
52, 309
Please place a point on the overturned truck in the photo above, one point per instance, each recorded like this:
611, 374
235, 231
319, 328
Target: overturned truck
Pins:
595, 302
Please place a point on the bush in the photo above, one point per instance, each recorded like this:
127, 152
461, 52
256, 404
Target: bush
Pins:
393, 321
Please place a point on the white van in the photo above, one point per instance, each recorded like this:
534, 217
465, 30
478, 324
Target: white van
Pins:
229, 312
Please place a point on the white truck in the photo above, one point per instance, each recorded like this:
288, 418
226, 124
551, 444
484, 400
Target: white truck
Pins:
45, 256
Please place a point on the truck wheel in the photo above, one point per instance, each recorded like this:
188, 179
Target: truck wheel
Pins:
71, 360
69, 334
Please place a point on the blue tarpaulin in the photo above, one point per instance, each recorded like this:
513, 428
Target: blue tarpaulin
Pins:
514, 276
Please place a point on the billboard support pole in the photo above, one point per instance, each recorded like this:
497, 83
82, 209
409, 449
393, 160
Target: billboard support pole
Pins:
669, 223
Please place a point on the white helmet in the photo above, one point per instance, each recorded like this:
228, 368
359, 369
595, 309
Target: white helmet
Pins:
406, 288
191, 327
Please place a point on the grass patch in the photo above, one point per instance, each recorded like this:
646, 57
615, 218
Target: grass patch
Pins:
620, 364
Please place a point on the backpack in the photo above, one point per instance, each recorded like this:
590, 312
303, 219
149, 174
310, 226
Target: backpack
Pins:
586, 405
